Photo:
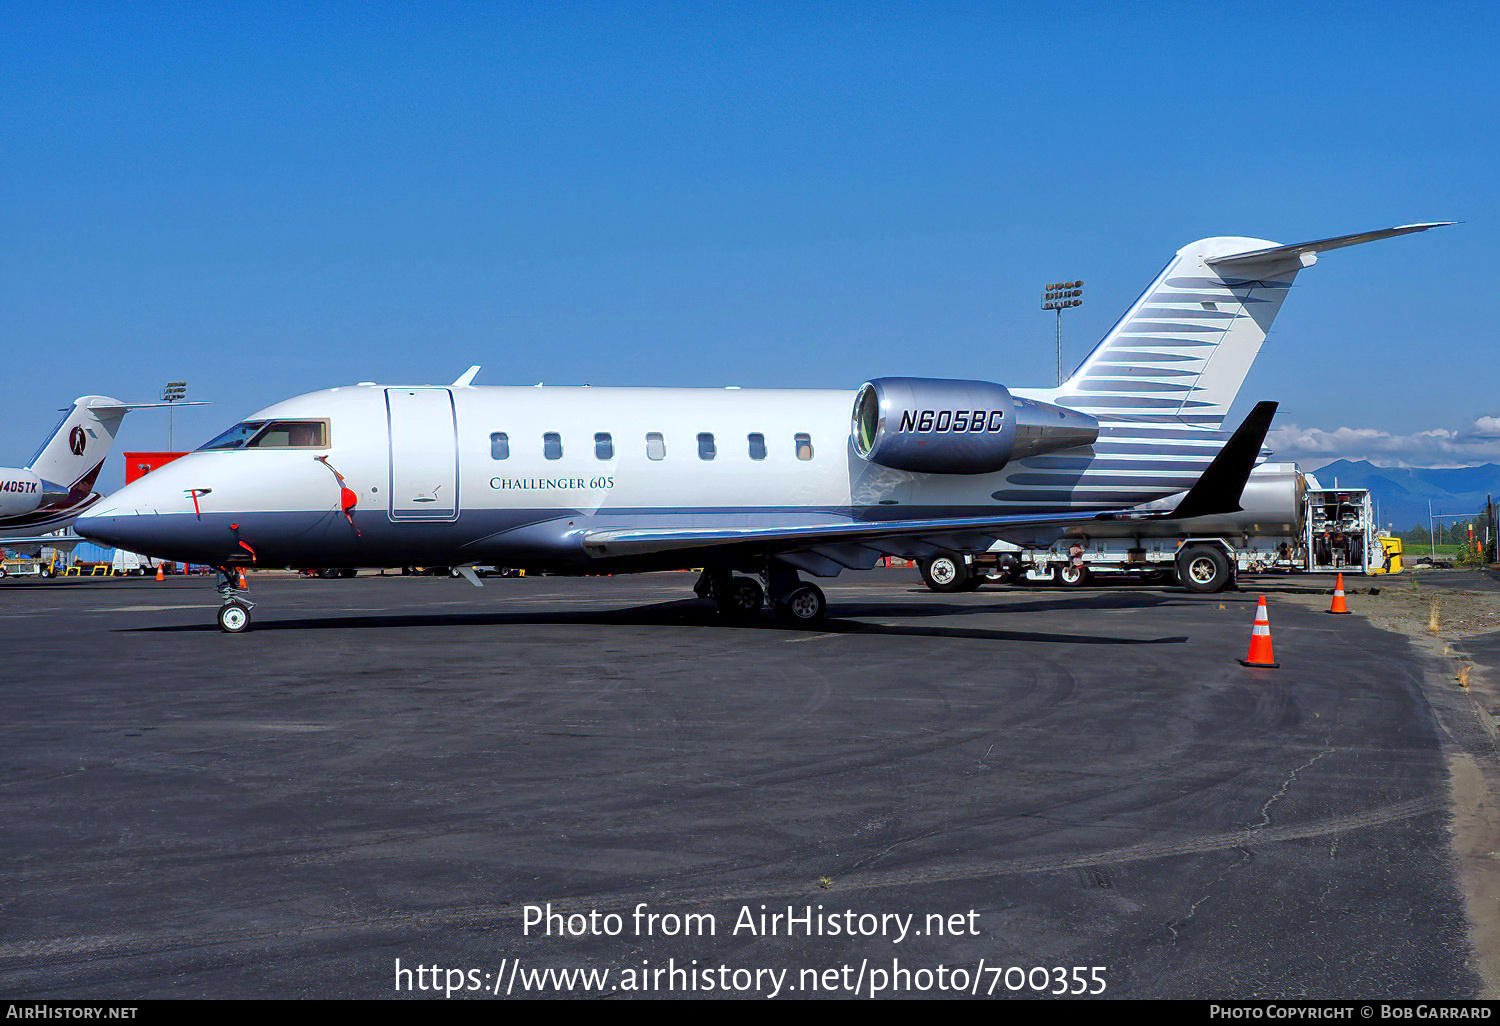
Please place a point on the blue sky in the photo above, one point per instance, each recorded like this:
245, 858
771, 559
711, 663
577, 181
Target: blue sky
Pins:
264, 199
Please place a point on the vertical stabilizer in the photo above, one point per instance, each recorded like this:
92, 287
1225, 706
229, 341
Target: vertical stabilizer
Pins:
1184, 347
75, 451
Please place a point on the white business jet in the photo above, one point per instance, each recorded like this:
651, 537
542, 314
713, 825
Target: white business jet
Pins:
49, 493
757, 486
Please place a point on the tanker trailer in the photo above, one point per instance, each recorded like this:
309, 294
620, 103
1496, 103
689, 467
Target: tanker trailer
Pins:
1202, 553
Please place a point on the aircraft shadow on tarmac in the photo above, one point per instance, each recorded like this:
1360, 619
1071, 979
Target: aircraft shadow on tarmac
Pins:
695, 614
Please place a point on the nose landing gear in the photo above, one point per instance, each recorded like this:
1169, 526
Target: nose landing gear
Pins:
234, 613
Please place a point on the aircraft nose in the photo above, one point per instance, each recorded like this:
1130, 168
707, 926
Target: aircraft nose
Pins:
109, 528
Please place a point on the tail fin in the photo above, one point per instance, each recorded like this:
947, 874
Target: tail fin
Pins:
73, 454
1183, 349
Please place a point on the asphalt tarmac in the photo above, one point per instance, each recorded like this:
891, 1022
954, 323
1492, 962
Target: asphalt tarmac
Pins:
394, 769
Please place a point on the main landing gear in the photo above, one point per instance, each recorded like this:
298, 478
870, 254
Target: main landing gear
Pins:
234, 613
739, 596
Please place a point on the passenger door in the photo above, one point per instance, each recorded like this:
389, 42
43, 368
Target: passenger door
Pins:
424, 454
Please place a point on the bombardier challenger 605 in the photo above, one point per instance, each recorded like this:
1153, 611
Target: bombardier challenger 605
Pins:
757, 486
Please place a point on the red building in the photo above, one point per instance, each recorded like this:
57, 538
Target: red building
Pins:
139, 463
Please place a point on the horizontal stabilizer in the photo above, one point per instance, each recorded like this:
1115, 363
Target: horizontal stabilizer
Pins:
106, 407
1278, 253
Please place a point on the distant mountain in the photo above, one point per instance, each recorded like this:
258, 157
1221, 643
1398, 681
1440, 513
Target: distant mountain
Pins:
1403, 492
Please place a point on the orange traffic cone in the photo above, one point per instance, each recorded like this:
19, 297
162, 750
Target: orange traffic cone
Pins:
243, 585
1338, 597
1260, 640
161, 573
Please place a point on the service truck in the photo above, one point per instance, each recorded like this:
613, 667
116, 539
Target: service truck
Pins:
1288, 523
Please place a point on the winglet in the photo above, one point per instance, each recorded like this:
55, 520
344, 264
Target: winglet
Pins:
467, 572
1219, 488
466, 379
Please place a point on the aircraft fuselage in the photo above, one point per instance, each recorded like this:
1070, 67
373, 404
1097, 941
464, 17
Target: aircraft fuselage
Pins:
515, 475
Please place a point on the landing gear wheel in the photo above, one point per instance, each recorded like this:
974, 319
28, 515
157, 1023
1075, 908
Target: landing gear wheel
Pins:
1070, 576
803, 604
743, 597
234, 618
946, 572
1203, 569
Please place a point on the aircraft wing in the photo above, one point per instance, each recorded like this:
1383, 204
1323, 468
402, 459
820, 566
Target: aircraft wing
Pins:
635, 541
32, 545
1219, 487
824, 548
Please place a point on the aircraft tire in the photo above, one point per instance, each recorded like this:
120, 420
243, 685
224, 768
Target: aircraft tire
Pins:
745, 598
945, 572
234, 618
804, 604
1203, 569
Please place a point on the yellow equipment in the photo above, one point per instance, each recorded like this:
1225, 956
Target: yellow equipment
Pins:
1390, 548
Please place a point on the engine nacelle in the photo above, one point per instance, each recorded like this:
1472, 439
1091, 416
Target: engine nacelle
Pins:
951, 426
22, 491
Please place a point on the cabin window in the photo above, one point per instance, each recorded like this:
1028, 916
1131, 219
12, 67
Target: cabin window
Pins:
552, 445
706, 450
804, 447
757, 446
656, 446
291, 434
499, 446
604, 445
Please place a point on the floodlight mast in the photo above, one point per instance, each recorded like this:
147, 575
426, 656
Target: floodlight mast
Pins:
1060, 296
171, 393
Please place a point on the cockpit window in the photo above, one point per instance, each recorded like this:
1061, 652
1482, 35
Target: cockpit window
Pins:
235, 436
291, 434
273, 434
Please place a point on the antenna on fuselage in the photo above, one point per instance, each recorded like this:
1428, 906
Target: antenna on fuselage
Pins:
466, 379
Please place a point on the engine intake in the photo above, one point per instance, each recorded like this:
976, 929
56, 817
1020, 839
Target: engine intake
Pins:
953, 426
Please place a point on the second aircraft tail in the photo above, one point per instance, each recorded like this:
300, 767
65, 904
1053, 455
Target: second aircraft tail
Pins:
73, 454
